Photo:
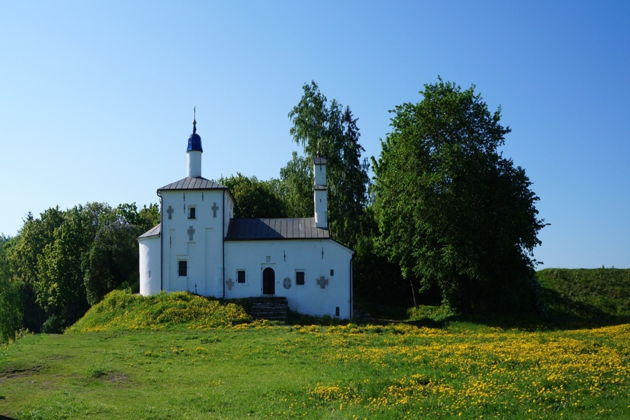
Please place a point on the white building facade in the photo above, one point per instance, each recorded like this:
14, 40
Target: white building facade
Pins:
200, 247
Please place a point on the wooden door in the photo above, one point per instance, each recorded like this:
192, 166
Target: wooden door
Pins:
269, 281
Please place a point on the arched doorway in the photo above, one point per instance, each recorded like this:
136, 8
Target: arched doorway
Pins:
269, 281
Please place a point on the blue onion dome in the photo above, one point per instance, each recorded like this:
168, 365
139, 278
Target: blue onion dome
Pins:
194, 141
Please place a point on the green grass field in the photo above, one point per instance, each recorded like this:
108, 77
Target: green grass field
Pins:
259, 370
181, 356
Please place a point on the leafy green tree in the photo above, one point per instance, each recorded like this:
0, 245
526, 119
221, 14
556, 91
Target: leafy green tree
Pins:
10, 302
30, 243
296, 186
112, 262
143, 219
325, 129
254, 198
452, 211
59, 284
351, 182
22, 259
113, 255
378, 283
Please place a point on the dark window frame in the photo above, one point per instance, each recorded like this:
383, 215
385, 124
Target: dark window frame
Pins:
192, 212
238, 276
182, 268
298, 281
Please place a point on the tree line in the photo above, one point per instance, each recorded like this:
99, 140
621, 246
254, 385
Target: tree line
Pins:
446, 217
64, 261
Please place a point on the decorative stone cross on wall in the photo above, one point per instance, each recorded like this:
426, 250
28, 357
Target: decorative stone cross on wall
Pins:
170, 211
191, 233
323, 282
214, 209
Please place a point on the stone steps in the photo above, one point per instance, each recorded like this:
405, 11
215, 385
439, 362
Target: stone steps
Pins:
272, 308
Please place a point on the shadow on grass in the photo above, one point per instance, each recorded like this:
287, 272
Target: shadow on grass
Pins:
562, 312
559, 313
295, 318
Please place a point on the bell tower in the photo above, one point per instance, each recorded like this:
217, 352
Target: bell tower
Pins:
194, 151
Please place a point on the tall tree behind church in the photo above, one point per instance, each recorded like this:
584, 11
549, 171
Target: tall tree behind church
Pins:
254, 198
324, 128
295, 186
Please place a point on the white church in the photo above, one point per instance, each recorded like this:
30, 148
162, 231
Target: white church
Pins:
200, 247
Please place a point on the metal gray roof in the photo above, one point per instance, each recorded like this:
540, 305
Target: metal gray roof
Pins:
154, 231
258, 229
190, 183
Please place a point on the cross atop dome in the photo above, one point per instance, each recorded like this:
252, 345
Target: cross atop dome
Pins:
194, 120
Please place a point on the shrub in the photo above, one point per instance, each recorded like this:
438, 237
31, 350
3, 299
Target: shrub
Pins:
55, 324
431, 312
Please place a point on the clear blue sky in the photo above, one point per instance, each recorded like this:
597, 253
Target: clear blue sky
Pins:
96, 97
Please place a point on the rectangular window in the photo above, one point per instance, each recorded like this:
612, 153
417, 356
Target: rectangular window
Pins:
240, 276
192, 213
299, 278
332, 272
182, 268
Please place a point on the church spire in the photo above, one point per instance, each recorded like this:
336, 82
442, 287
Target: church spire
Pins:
194, 150
194, 120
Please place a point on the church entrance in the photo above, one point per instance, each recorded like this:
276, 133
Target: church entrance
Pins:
269, 281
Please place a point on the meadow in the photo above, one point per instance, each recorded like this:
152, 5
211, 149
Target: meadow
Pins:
182, 356
258, 369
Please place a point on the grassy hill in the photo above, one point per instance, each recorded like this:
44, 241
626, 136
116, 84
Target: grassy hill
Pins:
587, 294
121, 310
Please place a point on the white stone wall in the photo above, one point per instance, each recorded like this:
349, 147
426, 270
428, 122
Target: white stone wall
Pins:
316, 257
320, 174
193, 163
320, 201
229, 212
149, 249
204, 252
